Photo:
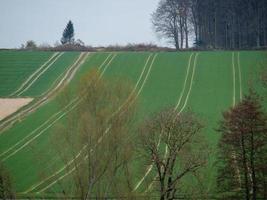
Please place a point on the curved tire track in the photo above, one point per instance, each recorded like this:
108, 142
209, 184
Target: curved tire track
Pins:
8, 122
175, 109
99, 141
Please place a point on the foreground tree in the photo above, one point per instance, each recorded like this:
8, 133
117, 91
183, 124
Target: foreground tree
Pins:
96, 136
6, 188
68, 34
172, 142
243, 147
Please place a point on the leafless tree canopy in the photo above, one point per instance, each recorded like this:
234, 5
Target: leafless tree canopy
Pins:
171, 21
97, 137
215, 23
173, 143
243, 151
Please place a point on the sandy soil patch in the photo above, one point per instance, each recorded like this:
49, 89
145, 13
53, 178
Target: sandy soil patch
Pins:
11, 105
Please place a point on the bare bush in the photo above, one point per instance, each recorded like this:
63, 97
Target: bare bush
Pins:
172, 142
99, 133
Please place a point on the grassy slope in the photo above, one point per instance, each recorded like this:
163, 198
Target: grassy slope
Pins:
252, 64
30, 165
38, 146
54, 72
211, 94
17, 66
127, 66
162, 89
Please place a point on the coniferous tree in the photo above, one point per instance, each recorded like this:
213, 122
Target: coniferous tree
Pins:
68, 34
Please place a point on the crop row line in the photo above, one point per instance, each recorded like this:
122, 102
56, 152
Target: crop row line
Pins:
145, 76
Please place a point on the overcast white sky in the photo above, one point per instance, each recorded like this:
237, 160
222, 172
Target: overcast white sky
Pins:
96, 22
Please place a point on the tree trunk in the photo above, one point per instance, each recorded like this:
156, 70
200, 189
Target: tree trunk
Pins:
244, 162
215, 29
176, 42
254, 184
186, 33
226, 36
181, 32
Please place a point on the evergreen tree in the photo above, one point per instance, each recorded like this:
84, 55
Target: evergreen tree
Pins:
68, 34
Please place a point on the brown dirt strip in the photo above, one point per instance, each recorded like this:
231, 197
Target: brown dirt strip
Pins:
11, 105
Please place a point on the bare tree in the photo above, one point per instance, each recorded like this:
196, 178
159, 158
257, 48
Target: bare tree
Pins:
171, 21
172, 142
96, 136
242, 172
215, 23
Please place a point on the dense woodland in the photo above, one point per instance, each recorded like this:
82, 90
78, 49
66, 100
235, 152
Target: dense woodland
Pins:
212, 23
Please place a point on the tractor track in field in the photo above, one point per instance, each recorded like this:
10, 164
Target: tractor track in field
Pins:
50, 122
38, 75
100, 139
34, 74
47, 124
240, 76
175, 109
9, 121
234, 100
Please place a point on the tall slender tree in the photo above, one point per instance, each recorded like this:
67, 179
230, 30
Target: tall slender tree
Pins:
68, 34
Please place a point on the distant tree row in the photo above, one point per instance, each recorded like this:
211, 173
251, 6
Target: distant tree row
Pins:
213, 23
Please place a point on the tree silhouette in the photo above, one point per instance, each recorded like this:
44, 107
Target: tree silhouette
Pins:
68, 34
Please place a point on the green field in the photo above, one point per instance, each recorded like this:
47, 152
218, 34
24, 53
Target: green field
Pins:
209, 84
31, 73
17, 66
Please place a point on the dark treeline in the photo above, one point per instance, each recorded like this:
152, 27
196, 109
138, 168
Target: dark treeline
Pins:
230, 24
212, 23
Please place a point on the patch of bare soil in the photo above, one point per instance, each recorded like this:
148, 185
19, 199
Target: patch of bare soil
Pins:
11, 105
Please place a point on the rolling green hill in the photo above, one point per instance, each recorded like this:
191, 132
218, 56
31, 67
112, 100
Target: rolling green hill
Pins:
204, 82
